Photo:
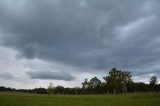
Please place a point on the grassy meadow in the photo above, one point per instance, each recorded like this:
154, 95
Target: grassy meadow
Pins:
133, 99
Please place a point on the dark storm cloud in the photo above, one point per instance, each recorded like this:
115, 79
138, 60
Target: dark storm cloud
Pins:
48, 75
84, 33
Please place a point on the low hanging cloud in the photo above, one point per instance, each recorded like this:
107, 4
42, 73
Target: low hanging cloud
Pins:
48, 75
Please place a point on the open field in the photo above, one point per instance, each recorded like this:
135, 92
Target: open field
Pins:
136, 99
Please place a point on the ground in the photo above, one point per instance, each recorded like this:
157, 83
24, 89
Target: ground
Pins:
133, 99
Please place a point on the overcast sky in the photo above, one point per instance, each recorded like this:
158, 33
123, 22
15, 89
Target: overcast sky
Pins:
66, 41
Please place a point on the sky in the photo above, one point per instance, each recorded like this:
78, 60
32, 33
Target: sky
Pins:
66, 41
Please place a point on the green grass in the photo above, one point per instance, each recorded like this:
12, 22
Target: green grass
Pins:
134, 99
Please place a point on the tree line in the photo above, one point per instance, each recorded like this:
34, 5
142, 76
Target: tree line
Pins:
116, 82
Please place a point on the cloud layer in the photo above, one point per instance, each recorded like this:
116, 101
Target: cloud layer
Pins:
89, 34
50, 75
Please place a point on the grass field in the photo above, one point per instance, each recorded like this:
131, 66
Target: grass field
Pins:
136, 99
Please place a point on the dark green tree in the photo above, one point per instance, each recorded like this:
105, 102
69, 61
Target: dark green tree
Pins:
85, 84
117, 80
153, 83
94, 82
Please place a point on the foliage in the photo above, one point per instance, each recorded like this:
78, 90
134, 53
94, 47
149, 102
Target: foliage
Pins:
117, 80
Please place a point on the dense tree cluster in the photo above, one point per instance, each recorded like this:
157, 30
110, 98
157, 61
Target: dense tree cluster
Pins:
115, 82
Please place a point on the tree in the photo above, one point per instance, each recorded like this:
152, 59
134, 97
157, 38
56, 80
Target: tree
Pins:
94, 85
59, 90
91, 87
94, 82
125, 78
85, 84
117, 80
39, 90
50, 89
113, 81
153, 83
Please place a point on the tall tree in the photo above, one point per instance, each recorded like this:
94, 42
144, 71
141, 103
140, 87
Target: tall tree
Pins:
153, 83
125, 78
50, 88
117, 80
85, 84
94, 82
